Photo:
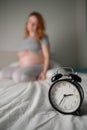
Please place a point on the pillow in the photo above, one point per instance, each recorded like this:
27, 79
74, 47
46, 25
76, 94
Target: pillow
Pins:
55, 67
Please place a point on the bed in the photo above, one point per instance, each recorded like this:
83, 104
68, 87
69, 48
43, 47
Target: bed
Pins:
25, 106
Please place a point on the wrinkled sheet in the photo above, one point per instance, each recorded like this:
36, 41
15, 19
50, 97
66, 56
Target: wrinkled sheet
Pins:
25, 106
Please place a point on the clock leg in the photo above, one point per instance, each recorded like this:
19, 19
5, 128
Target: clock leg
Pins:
77, 112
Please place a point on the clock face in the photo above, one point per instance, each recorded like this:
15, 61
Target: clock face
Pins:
65, 97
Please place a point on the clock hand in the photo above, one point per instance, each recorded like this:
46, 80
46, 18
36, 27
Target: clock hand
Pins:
62, 99
65, 95
68, 95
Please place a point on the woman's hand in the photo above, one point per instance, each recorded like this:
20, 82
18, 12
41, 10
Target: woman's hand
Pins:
42, 76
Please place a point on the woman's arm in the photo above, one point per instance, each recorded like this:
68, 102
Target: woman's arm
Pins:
46, 53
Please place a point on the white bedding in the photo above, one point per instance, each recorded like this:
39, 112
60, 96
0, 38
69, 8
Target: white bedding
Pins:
25, 106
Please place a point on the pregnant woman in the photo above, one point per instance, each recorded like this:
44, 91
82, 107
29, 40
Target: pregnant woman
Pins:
33, 54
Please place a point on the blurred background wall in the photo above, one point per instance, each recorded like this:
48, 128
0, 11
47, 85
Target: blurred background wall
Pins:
65, 25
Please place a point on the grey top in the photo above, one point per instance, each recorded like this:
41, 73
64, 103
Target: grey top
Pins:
31, 44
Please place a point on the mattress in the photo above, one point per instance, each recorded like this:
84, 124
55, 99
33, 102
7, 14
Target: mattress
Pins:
25, 106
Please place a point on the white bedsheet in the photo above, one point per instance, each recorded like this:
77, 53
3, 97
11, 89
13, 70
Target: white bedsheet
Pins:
25, 106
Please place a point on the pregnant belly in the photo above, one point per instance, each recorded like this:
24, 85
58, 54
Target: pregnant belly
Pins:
31, 59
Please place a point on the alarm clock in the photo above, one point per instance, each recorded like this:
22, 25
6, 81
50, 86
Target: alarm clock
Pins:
66, 93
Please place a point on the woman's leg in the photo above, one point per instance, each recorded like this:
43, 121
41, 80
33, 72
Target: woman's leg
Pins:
29, 73
6, 72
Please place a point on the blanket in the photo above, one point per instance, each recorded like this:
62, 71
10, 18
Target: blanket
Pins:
25, 106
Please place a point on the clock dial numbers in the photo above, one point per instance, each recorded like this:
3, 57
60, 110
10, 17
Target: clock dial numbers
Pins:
65, 96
